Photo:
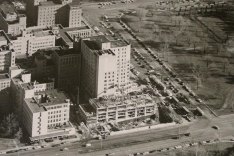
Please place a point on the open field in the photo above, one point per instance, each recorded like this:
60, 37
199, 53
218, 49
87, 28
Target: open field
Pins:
194, 47
198, 48
221, 149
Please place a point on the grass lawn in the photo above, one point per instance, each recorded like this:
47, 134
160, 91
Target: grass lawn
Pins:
195, 51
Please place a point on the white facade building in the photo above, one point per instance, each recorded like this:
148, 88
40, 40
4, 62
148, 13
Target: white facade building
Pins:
10, 21
106, 63
47, 113
31, 40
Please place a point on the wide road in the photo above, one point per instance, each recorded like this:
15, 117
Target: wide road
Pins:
147, 140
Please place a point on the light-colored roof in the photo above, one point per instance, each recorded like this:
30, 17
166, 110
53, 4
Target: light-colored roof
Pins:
54, 97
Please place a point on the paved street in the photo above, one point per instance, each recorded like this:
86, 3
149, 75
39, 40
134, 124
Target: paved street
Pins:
147, 140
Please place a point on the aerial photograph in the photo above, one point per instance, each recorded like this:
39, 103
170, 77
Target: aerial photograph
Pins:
116, 77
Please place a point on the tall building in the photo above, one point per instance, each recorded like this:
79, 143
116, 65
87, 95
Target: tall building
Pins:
75, 15
60, 63
31, 11
67, 64
64, 12
46, 114
10, 20
105, 63
32, 39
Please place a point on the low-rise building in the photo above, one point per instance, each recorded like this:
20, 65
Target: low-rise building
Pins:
23, 87
118, 108
69, 35
10, 20
46, 114
5, 82
7, 54
31, 40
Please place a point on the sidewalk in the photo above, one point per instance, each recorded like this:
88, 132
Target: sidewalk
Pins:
41, 145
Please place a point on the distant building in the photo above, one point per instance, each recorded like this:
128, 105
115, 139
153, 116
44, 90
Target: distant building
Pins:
5, 82
68, 35
117, 108
105, 66
7, 54
31, 40
48, 13
46, 114
31, 11
10, 20
57, 62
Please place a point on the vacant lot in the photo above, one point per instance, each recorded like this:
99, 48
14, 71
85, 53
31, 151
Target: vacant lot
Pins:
199, 49
6, 144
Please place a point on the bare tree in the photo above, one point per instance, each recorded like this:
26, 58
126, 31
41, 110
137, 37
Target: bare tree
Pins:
9, 126
141, 14
208, 60
196, 69
19, 134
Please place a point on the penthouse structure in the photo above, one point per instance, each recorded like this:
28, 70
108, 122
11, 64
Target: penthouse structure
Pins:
46, 114
22, 86
31, 40
10, 20
105, 66
118, 108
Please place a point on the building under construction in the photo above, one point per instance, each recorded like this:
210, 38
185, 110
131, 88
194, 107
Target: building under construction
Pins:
118, 108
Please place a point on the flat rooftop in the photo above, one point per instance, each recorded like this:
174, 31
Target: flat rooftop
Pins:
112, 101
7, 8
45, 54
64, 52
103, 52
92, 44
53, 97
74, 4
115, 42
42, 33
47, 3
4, 76
25, 63
39, 32
27, 86
3, 36
88, 108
